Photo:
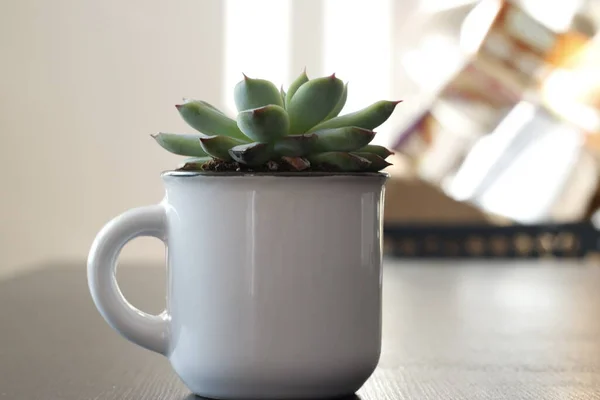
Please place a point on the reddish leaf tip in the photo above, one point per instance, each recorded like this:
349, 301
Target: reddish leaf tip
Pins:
365, 131
205, 139
259, 111
178, 106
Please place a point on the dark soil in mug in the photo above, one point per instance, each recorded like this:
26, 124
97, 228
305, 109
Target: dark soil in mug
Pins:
271, 166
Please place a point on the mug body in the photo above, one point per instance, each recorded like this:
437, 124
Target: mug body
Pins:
274, 282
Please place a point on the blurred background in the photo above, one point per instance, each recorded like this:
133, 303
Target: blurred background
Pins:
497, 140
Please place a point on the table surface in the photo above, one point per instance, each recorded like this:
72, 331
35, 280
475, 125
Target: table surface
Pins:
476, 330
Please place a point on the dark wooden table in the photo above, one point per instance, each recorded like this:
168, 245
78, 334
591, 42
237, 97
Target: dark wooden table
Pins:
477, 330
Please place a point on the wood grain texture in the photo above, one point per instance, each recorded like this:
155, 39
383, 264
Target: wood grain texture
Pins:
451, 331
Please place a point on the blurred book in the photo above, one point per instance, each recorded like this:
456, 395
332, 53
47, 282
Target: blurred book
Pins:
499, 130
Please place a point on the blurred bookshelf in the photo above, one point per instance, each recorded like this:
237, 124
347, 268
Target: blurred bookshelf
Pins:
509, 146
573, 241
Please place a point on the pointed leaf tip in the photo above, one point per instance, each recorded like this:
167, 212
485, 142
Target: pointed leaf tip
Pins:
368, 118
254, 93
381, 151
377, 162
294, 86
184, 145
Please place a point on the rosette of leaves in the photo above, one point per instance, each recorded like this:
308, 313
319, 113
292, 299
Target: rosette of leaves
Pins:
297, 130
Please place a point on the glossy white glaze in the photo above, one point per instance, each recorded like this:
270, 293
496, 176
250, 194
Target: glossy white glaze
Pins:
274, 283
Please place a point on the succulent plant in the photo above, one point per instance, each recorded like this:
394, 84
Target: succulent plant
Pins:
297, 130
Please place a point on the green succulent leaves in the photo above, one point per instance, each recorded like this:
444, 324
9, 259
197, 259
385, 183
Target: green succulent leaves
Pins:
205, 104
367, 118
252, 153
264, 124
183, 145
299, 81
377, 150
348, 138
340, 161
208, 120
283, 96
254, 93
313, 102
340, 104
218, 146
296, 145
376, 163
295, 130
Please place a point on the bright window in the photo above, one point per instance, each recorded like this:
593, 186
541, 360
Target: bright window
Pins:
358, 48
257, 42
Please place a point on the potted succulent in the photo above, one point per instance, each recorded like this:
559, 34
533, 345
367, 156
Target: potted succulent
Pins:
273, 230
277, 131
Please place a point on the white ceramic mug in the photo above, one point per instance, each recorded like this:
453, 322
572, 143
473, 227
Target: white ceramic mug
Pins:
274, 282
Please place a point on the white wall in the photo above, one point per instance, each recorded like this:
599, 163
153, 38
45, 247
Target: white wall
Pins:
82, 85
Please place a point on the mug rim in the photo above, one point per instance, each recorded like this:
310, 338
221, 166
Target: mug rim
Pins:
313, 174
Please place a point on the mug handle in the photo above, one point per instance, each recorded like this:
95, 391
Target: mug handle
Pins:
145, 330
